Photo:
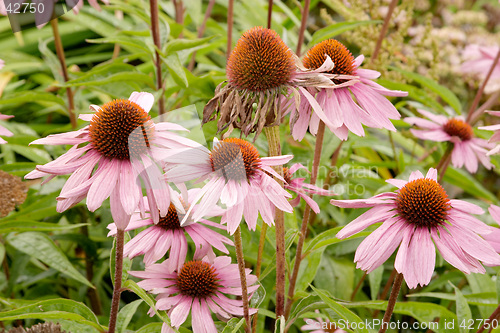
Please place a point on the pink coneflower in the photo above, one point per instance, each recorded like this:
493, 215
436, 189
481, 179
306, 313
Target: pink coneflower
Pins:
168, 234
494, 237
496, 136
302, 189
262, 75
480, 59
320, 326
467, 149
3, 130
238, 176
340, 112
198, 287
413, 217
124, 146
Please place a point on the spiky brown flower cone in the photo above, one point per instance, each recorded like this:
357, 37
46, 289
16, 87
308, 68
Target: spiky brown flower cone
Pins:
40, 328
13, 192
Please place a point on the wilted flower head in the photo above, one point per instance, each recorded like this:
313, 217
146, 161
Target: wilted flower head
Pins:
120, 148
418, 218
39, 328
13, 192
3, 130
237, 175
199, 288
261, 70
168, 234
480, 59
467, 149
337, 108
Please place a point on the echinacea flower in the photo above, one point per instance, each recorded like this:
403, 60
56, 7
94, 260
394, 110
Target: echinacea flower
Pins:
320, 326
468, 150
496, 136
480, 59
302, 189
237, 175
342, 113
261, 71
418, 218
3, 130
168, 234
110, 157
199, 288
494, 237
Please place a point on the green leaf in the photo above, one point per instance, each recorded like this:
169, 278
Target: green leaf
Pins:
112, 78
150, 328
336, 29
446, 94
2, 252
375, 280
41, 208
125, 315
29, 225
469, 184
55, 309
133, 43
41, 247
184, 44
462, 309
51, 59
340, 310
176, 69
233, 325
36, 155
31, 96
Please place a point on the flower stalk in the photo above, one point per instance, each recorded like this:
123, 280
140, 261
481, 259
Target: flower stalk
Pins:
117, 290
241, 266
230, 14
273, 139
201, 31
155, 31
303, 23
62, 61
396, 287
305, 220
383, 32
269, 13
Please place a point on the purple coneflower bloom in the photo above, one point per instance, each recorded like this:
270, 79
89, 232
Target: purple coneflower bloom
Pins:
467, 149
302, 189
496, 136
494, 237
126, 146
168, 234
340, 112
414, 217
198, 287
237, 175
480, 59
3, 130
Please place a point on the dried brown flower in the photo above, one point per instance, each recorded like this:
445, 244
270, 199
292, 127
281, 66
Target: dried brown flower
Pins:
13, 192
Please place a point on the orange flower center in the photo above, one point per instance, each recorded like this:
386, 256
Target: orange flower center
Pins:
121, 129
459, 128
237, 159
260, 61
423, 202
287, 176
172, 220
340, 55
197, 279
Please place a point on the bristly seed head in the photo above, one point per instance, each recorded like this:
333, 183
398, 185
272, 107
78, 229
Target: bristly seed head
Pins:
237, 159
172, 220
459, 128
260, 61
340, 55
287, 175
197, 279
423, 202
121, 128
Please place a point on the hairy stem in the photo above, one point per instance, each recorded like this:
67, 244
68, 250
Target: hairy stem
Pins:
62, 61
201, 31
479, 93
305, 220
445, 161
258, 267
303, 23
241, 265
273, 139
155, 31
494, 315
392, 302
385, 291
269, 13
230, 9
115, 301
383, 32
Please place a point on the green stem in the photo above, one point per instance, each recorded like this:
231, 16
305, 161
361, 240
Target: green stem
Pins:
445, 161
241, 266
273, 139
117, 288
392, 302
305, 219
